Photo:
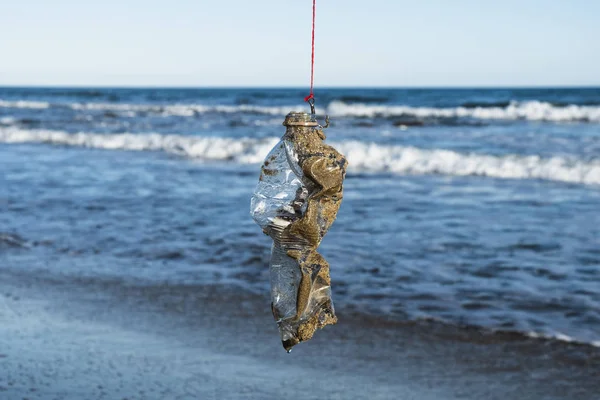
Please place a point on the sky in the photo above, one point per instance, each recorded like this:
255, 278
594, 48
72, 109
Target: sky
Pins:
201, 43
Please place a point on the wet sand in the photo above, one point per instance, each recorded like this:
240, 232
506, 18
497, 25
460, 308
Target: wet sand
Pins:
90, 339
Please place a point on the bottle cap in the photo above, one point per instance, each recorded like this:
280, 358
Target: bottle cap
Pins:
300, 119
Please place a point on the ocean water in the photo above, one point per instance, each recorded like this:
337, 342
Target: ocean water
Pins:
473, 207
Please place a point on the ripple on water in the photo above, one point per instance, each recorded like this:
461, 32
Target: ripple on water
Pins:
12, 240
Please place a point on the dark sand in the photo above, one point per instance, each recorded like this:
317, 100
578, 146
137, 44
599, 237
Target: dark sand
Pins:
66, 339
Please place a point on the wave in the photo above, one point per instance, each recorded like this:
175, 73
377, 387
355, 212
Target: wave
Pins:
484, 104
185, 110
12, 240
363, 99
514, 110
24, 104
412, 160
243, 150
561, 337
363, 157
527, 110
7, 120
182, 110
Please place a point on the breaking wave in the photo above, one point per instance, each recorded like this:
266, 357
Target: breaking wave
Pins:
24, 104
561, 337
183, 110
367, 157
7, 120
514, 110
412, 160
527, 110
244, 150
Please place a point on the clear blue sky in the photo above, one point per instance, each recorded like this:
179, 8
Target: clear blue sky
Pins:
267, 42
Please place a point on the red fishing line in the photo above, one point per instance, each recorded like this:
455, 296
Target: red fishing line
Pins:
312, 58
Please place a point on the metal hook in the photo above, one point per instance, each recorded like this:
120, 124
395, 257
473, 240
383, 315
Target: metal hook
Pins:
311, 102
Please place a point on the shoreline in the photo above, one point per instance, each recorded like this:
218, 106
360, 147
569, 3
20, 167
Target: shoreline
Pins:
91, 339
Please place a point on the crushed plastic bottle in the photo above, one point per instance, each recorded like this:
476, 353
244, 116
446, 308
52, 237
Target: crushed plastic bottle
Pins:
295, 202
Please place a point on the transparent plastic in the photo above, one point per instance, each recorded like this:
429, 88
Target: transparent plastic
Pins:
279, 200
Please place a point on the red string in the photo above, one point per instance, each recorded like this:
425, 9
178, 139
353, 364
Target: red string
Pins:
312, 58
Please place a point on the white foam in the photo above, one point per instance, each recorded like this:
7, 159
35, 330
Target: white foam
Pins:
24, 104
7, 120
243, 150
132, 109
184, 110
362, 156
412, 160
527, 110
561, 337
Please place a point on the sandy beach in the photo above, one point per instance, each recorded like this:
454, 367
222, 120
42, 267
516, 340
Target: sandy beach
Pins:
93, 339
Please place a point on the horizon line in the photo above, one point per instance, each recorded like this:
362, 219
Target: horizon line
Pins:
283, 87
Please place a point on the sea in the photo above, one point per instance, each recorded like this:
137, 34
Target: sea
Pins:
477, 208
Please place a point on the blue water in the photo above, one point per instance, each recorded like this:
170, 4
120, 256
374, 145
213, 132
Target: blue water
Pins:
477, 207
